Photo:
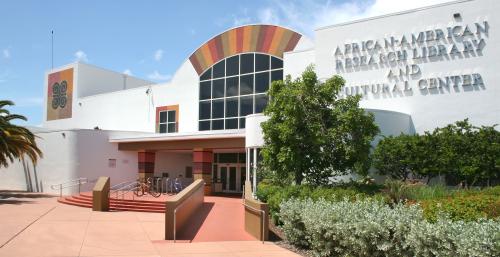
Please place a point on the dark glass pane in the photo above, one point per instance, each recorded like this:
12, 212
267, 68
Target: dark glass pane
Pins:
242, 158
171, 128
232, 86
246, 84
232, 66
217, 124
276, 63
246, 64
261, 62
206, 75
216, 155
246, 105
231, 123
218, 109
218, 88
261, 82
219, 69
242, 123
228, 158
232, 107
276, 75
260, 103
163, 117
163, 128
205, 90
205, 110
204, 125
171, 116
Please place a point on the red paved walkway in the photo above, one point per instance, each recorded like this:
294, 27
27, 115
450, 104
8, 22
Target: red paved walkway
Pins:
221, 219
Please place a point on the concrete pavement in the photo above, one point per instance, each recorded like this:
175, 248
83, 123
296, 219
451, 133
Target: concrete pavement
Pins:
36, 225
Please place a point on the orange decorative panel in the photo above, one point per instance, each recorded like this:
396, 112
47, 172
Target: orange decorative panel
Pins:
60, 95
269, 39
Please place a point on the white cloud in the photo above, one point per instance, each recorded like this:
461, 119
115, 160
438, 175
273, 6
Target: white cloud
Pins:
158, 55
307, 15
158, 76
6, 53
81, 56
127, 72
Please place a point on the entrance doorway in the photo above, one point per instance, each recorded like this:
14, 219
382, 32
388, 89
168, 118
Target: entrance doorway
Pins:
232, 177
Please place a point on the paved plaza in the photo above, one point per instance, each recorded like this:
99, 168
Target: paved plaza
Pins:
37, 225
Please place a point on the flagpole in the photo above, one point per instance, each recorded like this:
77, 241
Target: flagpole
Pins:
52, 52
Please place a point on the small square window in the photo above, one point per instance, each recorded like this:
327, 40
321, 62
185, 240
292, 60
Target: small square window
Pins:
219, 69
261, 62
217, 124
171, 128
163, 128
206, 75
246, 84
163, 117
231, 123
232, 65
232, 86
276, 75
205, 110
261, 82
205, 90
204, 125
218, 109
276, 63
218, 88
171, 116
246, 63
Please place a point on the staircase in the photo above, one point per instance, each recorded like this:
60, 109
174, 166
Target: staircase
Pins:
85, 200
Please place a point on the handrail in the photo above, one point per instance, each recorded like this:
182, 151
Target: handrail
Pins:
175, 215
125, 189
262, 216
128, 191
120, 184
70, 183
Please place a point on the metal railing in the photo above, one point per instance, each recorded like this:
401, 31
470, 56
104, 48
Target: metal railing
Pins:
262, 217
71, 183
124, 188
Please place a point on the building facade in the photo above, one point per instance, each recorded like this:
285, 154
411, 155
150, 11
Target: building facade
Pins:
416, 70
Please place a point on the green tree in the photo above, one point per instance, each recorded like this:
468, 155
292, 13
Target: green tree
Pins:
16, 142
393, 156
314, 134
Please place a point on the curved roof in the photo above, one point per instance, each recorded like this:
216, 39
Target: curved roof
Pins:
269, 39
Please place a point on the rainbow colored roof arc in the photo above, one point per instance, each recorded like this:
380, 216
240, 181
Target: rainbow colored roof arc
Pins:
269, 39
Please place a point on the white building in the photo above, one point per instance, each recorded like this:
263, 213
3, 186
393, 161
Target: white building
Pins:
417, 70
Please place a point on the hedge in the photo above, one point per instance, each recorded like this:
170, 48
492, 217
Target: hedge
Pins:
372, 228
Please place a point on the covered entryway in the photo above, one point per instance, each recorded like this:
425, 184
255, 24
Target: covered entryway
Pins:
217, 157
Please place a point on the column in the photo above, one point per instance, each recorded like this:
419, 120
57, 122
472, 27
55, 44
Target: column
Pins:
146, 164
202, 167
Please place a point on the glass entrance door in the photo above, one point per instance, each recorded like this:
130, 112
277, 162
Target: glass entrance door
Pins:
231, 177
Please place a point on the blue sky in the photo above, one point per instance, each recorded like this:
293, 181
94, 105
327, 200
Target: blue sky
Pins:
148, 39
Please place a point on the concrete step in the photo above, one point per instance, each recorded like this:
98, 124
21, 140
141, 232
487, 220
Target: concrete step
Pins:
120, 205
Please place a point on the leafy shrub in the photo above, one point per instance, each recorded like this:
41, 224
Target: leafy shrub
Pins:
275, 195
372, 228
467, 208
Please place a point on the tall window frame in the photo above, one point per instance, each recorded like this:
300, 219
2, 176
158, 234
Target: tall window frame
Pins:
233, 88
167, 122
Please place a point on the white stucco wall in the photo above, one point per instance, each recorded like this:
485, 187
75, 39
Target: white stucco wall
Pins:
428, 108
68, 155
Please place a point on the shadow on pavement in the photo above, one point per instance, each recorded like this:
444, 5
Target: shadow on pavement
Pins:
193, 225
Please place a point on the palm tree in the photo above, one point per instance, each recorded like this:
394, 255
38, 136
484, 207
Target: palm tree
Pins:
16, 142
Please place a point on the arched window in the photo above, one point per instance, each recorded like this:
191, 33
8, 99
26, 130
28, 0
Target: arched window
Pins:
236, 87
